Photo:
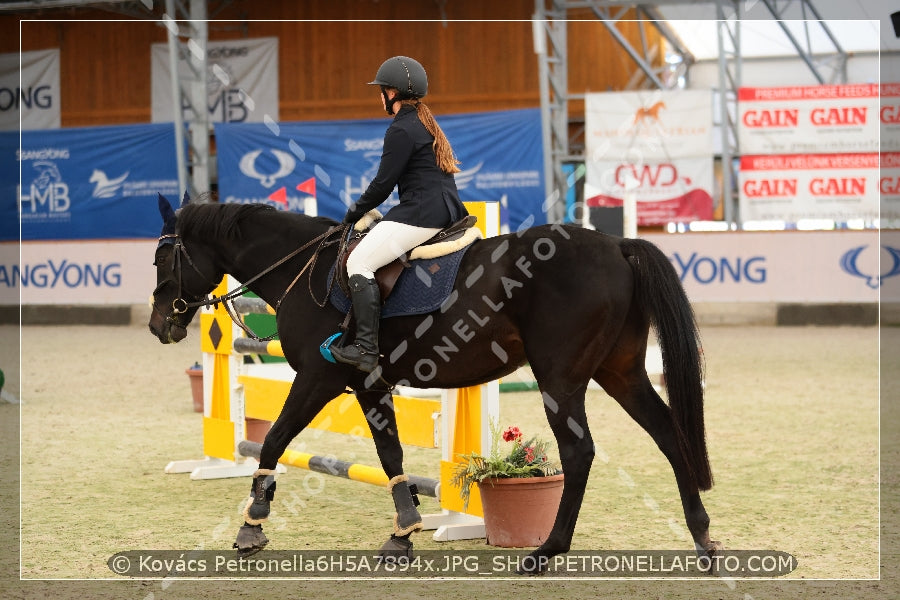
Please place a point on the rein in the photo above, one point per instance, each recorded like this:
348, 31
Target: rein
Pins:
180, 305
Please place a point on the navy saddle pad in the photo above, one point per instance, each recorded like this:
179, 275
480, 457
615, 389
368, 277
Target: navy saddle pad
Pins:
421, 288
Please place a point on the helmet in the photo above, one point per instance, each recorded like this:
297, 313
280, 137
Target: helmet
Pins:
405, 74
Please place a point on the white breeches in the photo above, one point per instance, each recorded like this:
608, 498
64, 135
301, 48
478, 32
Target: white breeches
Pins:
386, 241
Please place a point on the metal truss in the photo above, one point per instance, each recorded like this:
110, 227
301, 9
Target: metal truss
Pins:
562, 132
549, 28
728, 26
835, 61
187, 39
563, 135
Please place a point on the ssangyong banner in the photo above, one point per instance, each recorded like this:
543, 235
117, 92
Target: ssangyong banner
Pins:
241, 81
333, 161
837, 187
82, 272
813, 119
29, 89
86, 183
795, 266
657, 145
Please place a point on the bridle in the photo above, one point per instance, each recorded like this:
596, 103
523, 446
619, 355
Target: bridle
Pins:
181, 306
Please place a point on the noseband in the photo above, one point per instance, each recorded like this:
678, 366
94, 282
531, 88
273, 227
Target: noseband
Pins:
179, 304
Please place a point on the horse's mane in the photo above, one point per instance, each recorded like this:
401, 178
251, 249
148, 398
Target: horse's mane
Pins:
223, 221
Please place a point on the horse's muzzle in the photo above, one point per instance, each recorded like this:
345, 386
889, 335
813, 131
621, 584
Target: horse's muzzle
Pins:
167, 332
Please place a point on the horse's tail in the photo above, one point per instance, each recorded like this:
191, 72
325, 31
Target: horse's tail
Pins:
662, 299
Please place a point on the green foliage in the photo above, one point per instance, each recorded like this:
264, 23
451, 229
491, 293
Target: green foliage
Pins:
525, 459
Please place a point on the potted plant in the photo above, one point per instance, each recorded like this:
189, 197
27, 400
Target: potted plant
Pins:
520, 489
195, 374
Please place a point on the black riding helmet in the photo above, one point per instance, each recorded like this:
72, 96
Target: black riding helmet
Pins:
405, 74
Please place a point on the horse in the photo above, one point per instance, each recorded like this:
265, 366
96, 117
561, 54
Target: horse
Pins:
573, 303
644, 113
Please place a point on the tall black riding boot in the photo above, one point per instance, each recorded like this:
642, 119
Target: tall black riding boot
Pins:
363, 352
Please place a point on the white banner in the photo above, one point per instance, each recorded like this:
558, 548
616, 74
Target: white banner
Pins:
651, 125
95, 272
241, 78
809, 119
37, 94
797, 266
666, 191
658, 144
838, 187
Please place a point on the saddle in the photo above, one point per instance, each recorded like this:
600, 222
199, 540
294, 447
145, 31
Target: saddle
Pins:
446, 241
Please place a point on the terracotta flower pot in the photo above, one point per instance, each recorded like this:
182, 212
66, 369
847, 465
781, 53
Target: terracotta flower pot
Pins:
196, 376
256, 429
519, 512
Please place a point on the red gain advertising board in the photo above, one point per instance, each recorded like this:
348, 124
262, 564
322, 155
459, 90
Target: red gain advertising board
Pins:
838, 187
810, 119
889, 117
889, 186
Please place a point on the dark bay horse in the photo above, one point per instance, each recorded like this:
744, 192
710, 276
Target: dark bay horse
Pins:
574, 304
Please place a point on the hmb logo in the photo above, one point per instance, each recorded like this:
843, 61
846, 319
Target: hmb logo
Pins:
46, 193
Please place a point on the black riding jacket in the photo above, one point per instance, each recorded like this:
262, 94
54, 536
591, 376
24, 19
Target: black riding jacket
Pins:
428, 196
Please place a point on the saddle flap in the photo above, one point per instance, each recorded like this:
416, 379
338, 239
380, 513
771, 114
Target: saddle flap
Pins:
386, 277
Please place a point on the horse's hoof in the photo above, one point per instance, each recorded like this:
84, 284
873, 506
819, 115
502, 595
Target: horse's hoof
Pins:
250, 540
396, 548
713, 548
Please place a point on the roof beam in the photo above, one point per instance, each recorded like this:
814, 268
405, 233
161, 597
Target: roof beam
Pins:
806, 53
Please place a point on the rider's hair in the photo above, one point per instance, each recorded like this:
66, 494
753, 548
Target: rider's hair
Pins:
443, 153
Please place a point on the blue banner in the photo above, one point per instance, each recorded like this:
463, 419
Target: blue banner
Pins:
286, 163
86, 183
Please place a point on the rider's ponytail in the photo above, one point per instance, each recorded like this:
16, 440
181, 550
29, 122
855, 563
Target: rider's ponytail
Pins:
443, 153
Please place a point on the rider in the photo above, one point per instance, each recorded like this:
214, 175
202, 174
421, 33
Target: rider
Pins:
418, 159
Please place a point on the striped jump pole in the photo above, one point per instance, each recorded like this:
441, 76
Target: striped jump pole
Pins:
339, 468
244, 345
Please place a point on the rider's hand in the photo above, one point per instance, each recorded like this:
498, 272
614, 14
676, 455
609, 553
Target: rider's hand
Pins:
353, 214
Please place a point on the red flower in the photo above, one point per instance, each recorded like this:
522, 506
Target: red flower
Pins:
529, 455
512, 433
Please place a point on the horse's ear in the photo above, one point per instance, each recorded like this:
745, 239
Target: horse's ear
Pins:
165, 209
167, 214
186, 199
